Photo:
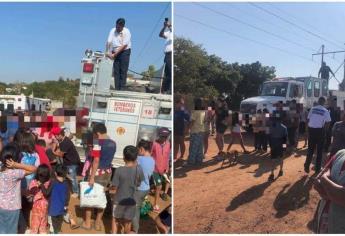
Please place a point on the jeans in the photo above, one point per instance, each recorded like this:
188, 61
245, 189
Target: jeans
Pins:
166, 86
9, 221
139, 198
72, 172
120, 68
316, 137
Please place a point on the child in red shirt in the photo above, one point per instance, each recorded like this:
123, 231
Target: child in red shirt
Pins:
161, 153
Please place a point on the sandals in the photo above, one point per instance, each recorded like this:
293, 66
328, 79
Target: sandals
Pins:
73, 227
81, 225
97, 227
164, 196
85, 228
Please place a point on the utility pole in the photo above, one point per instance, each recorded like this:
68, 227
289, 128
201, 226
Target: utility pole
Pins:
344, 69
322, 52
332, 52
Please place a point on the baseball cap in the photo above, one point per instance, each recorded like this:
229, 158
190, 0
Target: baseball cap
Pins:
163, 132
55, 130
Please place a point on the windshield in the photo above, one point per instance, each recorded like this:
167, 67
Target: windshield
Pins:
274, 89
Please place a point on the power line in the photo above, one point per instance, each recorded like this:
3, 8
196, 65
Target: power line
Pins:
262, 20
288, 14
245, 38
255, 27
299, 20
291, 23
277, 26
152, 32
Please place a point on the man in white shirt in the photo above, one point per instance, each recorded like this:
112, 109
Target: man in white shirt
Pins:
166, 33
118, 48
318, 121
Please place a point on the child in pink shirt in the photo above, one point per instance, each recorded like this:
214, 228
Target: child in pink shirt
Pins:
11, 175
161, 153
39, 213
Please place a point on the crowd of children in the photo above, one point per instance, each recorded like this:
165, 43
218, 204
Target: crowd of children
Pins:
131, 183
37, 180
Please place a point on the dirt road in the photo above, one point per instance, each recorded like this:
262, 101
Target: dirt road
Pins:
239, 199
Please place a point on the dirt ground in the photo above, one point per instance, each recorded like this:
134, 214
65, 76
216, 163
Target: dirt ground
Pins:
147, 225
238, 198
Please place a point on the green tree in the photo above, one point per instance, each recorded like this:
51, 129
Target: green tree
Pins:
149, 73
190, 62
201, 75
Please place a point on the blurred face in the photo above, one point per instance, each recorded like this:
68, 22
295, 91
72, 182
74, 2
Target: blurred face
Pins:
58, 137
219, 103
162, 138
179, 105
141, 151
119, 28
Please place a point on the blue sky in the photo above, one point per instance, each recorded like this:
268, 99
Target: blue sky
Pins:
41, 41
323, 19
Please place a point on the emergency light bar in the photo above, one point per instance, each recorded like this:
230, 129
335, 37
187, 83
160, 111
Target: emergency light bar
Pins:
88, 67
98, 54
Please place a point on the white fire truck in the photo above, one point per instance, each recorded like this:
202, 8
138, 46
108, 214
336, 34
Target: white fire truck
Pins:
305, 90
129, 115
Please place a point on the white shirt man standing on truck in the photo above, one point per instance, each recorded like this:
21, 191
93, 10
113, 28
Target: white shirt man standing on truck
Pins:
118, 48
318, 121
166, 33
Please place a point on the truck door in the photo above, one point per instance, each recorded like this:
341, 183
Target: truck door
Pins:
122, 122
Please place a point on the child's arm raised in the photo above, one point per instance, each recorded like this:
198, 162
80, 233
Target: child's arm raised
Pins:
15, 165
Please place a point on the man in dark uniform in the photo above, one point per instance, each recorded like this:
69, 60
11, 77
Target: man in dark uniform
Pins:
324, 71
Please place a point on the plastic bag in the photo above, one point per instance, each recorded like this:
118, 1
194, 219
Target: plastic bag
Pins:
92, 197
145, 208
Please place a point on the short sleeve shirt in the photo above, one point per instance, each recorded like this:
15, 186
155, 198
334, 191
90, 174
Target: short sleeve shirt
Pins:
318, 116
278, 133
147, 165
119, 39
198, 119
42, 155
71, 156
161, 154
126, 180
168, 42
10, 198
31, 159
108, 149
58, 198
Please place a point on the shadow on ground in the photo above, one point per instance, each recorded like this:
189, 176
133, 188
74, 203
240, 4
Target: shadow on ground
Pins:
291, 198
248, 195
